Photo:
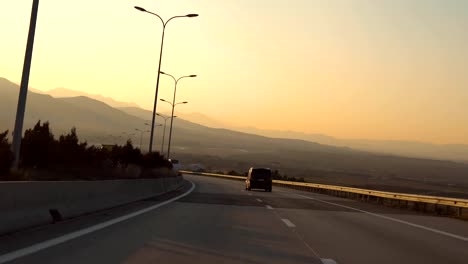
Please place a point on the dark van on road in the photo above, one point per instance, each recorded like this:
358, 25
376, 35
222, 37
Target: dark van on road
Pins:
258, 178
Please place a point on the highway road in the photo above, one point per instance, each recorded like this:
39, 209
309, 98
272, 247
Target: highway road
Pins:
217, 221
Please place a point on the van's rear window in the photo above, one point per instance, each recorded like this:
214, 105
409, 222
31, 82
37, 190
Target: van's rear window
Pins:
261, 174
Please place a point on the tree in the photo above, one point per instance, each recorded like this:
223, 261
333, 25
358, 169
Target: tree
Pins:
6, 156
40, 150
130, 154
125, 155
38, 146
69, 151
95, 157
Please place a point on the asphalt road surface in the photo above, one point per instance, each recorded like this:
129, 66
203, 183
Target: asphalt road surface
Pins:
217, 221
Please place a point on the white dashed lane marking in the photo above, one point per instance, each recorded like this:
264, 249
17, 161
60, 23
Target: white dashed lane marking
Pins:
462, 238
288, 223
269, 207
259, 200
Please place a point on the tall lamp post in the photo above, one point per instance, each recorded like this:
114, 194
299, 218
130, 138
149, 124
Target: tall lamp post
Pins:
170, 129
18, 130
164, 131
144, 131
141, 134
164, 23
176, 81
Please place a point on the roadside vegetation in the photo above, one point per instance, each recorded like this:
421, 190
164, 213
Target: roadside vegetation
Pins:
43, 157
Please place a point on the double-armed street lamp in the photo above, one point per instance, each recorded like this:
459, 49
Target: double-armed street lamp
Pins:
173, 105
164, 23
164, 131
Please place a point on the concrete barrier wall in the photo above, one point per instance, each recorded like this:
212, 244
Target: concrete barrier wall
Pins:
27, 204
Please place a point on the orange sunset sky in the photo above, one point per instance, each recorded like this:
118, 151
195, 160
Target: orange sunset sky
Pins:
392, 69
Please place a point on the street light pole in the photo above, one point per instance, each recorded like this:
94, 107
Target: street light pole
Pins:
18, 131
170, 130
164, 132
159, 67
141, 135
176, 81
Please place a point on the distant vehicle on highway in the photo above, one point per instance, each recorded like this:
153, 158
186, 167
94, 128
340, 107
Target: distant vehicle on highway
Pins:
259, 178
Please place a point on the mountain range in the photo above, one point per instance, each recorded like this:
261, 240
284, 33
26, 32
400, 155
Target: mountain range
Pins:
455, 152
225, 149
64, 92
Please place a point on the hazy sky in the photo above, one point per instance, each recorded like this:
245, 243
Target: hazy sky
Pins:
394, 69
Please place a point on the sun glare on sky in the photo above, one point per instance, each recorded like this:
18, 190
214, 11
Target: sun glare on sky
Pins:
392, 69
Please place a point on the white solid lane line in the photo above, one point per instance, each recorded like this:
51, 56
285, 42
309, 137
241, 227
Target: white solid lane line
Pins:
62, 239
269, 207
288, 223
390, 219
328, 261
259, 200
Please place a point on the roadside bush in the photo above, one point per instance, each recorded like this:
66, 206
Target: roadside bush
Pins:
45, 158
69, 151
155, 160
124, 155
96, 157
38, 147
6, 156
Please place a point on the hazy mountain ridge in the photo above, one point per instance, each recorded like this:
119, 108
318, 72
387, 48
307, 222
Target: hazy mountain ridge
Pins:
90, 115
455, 152
198, 118
64, 92
220, 149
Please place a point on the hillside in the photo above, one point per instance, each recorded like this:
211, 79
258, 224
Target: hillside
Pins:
223, 149
455, 152
63, 92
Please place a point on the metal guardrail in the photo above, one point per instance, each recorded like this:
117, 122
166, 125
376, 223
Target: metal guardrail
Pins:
362, 193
